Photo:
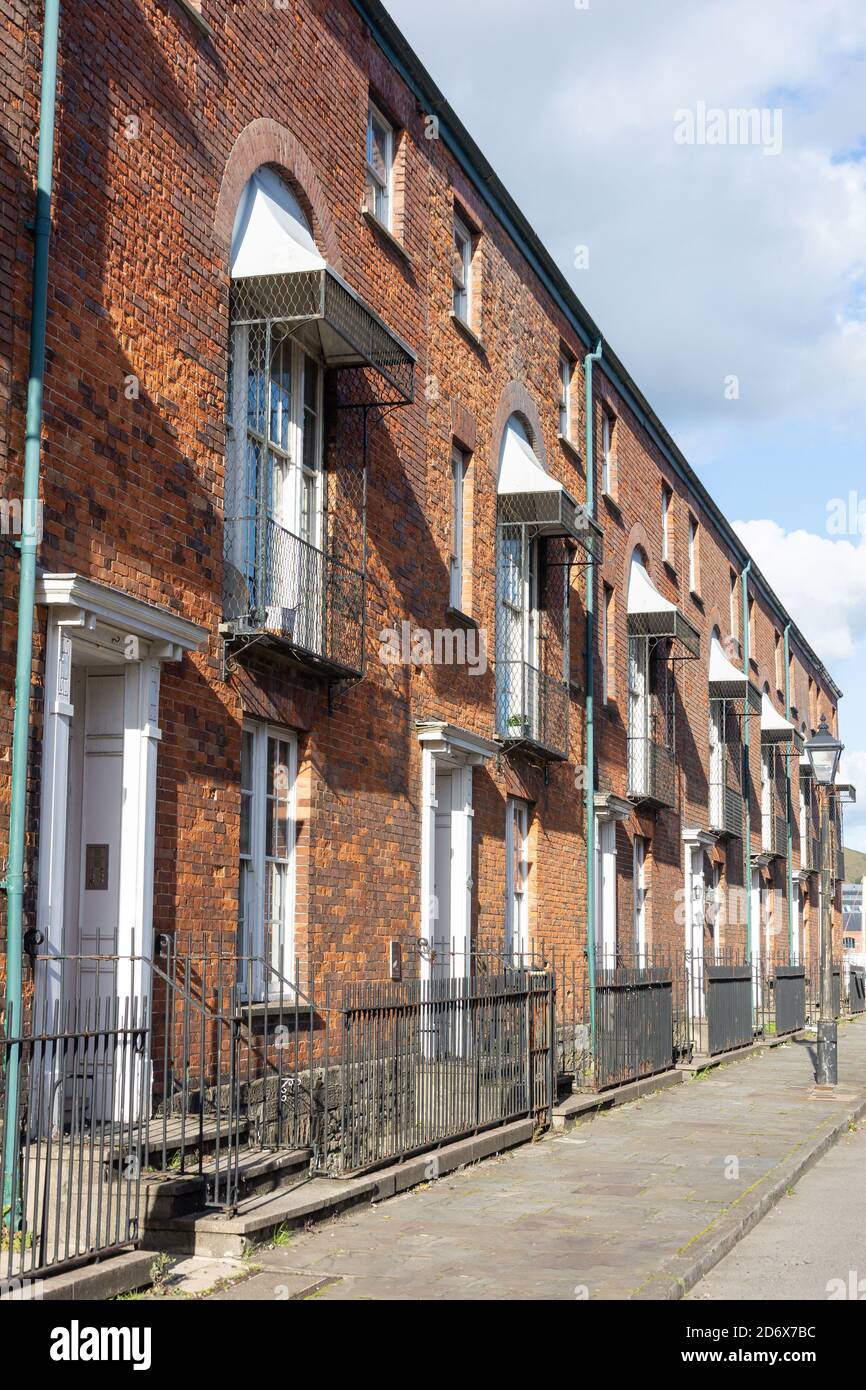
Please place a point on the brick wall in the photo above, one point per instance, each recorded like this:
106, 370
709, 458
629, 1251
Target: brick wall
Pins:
159, 129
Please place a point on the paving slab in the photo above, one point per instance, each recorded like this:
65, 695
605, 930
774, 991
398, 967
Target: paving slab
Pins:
637, 1202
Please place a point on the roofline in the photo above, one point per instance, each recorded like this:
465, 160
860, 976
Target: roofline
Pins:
487, 183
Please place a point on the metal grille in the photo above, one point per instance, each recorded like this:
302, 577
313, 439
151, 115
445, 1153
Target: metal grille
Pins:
333, 322
634, 1017
726, 770
424, 1062
774, 801
810, 835
651, 722
553, 513
790, 994
532, 637
857, 989
295, 591
728, 1004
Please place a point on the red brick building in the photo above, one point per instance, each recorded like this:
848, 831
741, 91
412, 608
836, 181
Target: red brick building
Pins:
311, 663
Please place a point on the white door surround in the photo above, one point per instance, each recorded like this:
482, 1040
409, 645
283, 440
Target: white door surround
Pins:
609, 810
447, 753
93, 628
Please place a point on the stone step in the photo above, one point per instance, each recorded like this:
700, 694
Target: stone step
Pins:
166, 1196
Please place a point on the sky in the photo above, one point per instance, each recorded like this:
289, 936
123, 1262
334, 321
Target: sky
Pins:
725, 265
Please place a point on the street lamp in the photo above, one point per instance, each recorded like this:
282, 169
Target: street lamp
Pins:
824, 752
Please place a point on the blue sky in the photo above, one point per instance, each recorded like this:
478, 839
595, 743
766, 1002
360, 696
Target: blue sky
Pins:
706, 262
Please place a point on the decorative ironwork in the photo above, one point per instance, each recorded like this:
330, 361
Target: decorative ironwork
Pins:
532, 640
671, 624
726, 770
651, 722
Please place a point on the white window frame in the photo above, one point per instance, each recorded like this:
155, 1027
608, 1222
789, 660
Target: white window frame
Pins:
606, 444
516, 883
693, 554
667, 500
381, 188
257, 982
459, 465
606, 604
734, 606
462, 285
566, 377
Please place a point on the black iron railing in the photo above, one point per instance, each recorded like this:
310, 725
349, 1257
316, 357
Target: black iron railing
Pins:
279, 585
651, 771
531, 708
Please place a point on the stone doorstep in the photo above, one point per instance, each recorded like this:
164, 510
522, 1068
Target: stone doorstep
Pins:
209, 1233
583, 1104
164, 1196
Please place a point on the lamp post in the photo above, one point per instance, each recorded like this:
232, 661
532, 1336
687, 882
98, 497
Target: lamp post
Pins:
824, 752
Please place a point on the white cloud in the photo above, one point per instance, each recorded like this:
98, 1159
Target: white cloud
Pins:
819, 579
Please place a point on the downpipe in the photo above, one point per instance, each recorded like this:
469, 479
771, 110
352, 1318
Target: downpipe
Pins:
747, 773
14, 882
790, 808
589, 771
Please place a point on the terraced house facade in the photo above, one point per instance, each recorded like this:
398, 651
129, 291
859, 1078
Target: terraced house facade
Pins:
382, 631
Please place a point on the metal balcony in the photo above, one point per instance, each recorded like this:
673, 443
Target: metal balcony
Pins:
726, 809
531, 710
651, 772
282, 589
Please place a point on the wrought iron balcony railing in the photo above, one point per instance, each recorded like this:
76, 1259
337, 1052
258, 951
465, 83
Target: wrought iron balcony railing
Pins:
531, 709
279, 586
810, 853
651, 771
726, 809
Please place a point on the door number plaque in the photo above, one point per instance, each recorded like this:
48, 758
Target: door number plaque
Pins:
96, 868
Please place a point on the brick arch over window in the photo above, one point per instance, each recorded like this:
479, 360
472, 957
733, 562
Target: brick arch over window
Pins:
267, 142
638, 540
516, 400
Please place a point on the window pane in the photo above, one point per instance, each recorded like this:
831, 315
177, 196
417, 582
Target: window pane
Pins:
281, 393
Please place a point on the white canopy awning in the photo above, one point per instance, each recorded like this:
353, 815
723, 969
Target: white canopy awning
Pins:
271, 235
520, 469
727, 681
529, 496
643, 596
775, 728
650, 614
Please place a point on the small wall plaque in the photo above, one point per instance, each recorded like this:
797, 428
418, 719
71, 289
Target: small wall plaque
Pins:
395, 960
96, 868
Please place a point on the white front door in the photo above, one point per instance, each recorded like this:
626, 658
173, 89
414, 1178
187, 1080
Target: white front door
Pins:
516, 874
94, 816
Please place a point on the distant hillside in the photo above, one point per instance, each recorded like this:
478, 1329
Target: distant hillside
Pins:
855, 865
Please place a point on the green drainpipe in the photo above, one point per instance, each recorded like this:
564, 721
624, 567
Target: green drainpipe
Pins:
790, 809
589, 790
14, 882
747, 784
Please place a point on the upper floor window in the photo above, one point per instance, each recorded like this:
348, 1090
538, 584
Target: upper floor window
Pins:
734, 618
380, 166
461, 270
779, 661
753, 650
266, 897
458, 489
667, 538
607, 625
608, 426
566, 373
694, 568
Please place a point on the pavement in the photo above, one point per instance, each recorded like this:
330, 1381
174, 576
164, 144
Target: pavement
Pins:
812, 1245
638, 1202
